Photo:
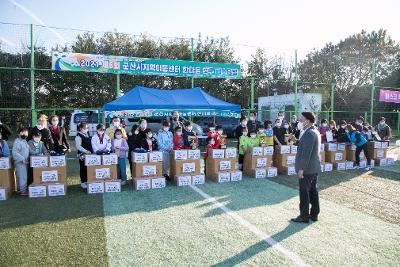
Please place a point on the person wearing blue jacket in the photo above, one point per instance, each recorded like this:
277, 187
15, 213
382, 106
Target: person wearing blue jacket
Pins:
164, 140
4, 150
361, 145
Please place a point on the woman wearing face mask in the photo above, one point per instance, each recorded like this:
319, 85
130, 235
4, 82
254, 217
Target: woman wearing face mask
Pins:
341, 135
383, 130
279, 133
83, 145
120, 147
101, 142
59, 136
333, 128
178, 139
361, 145
4, 149
116, 124
323, 130
44, 132
20, 153
165, 144
189, 137
135, 138
150, 142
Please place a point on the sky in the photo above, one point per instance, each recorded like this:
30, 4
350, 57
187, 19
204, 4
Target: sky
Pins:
278, 26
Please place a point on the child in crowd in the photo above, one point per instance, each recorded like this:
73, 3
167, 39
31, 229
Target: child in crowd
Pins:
220, 141
323, 130
36, 147
101, 142
210, 145
244, 141
20, 153
178, 139
150, 142
254, 140
269, 133
261, 135
4, 149
212, 131
120, 146
189, 137
165, 144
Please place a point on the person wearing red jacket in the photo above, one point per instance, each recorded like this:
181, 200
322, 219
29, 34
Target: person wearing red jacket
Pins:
210, 145
178, 139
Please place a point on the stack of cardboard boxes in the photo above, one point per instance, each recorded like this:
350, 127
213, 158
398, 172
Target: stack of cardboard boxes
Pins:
325, 166
222, 165
7, 178
102, 174
285, 159
336, 154
147, 170
49, 176
185, 167
258, 162
378, 153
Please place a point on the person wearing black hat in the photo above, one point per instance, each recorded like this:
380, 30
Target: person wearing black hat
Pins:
308, 166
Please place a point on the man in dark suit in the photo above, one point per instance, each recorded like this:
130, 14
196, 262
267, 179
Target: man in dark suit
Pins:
308, 166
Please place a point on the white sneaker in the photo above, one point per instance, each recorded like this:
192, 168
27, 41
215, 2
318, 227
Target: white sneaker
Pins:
123, 183
356, 167
368, 168
84, 185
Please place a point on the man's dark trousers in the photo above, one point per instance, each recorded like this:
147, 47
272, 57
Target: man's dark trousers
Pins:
309, 195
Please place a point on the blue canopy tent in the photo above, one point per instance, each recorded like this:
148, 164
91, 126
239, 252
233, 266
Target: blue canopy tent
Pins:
151, 102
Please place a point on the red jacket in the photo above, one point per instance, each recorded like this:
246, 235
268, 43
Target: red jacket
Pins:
178, 142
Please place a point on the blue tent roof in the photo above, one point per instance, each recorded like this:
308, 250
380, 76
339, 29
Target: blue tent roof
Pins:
141, 98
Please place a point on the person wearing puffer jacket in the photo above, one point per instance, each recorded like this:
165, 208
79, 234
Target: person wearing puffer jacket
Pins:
361, 145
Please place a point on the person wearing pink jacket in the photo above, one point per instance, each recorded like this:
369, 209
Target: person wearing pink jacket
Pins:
120, 147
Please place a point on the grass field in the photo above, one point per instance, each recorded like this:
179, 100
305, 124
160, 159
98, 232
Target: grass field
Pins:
243, 223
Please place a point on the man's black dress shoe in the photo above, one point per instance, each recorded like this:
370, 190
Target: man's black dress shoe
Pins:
299, 219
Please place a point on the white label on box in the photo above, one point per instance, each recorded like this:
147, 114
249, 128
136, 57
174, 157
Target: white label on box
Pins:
322, 167
291, 170
341, 166
49, 176
372, 163
158, 182
224, 177
143, 184
231, 152
218, 153
194, 154
39, 161
184, 180
111, 159
272, 172
224, 165
92, 160
268, 150
139, 157
385, 144
261, 162
236, 176
156, 156
4, 163
338, 156
260, 173
37, 191
328, 167
57, 161
95, 188
322, 148
285, 149
363, 164
181, 154
149, 170
382, 162
3, 194
112, 187
349, 165
293, 149
331, 147
55, 190
198, 179
341, 146
103, 173
291, 160
257, 151
389, 161
188, 167
377, 144
380, 154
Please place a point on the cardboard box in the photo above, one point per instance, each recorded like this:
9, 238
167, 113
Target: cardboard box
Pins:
183, 180
328, 167
95, 188
374, 144
252, 162
139, 157
50, 175
377, 153
216, 153
339, 166
335, 156
272, 172
198, 179
351, 155
158, 182
194, 154
331, 147
390, 161
39, 161
111, 159
189, 166
349, 165
256, 151
281, 160
213, 165
5, 193
101, 173
155, 156
268, 150
363, 164
282, 150
351, 147
150, 169
112, 186
231, 152
7, 179
322, 157
322, 148
54, 190
142, 183
5, 163
92, 160
381, 162
57, 161
287, 170
236, 176
180, 154
36, 191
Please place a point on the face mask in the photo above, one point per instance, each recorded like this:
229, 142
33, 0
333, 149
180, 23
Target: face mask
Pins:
212, 142
245, 133
118, 136
324, 125
36, 139
166, 128
212, 129
280, 117
116, 123
300, 126
220, 132
278, 125
178, 133
343, 126
286, 126
100, 132
150, 135
382, 123
260, 130
143, 125
54, 123
252, 118
190, 128
253, 135
85, 131
244, 123
40, 127
347, 131
333, 127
